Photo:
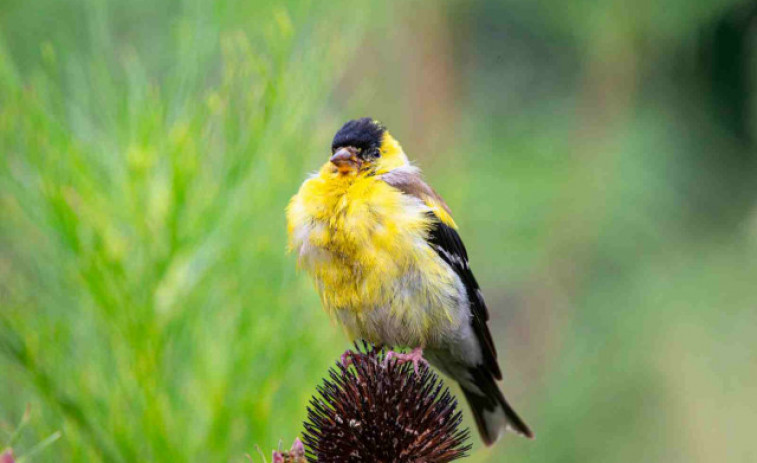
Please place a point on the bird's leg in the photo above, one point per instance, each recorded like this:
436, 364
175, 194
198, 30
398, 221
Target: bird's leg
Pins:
415, 356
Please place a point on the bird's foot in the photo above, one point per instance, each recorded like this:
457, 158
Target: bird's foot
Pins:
415, 356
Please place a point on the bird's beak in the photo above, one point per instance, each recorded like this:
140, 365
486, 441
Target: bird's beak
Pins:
345, 159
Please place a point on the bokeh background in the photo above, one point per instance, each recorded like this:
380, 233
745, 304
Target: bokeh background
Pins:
599, 157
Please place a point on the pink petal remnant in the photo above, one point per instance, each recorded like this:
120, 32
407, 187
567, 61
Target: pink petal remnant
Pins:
297, 450
7, 457
295, 455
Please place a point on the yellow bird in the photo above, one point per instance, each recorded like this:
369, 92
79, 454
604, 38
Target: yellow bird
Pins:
389, 265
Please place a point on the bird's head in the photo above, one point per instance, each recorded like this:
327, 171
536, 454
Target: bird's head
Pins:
364, 147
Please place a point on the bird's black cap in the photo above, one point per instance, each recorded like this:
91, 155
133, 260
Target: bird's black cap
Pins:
364, 133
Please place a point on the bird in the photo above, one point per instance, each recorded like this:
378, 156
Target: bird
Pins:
389, 265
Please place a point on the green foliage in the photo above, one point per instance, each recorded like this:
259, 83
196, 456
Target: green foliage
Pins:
149, 311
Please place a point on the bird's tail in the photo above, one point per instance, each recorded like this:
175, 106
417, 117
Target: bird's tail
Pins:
490, 409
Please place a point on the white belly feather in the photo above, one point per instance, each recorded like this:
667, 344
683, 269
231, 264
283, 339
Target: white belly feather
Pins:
416, 316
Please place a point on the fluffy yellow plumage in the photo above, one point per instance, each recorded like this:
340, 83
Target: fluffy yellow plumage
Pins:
389, 265
359, 237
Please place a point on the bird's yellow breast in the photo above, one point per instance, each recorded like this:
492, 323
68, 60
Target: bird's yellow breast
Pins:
364, 243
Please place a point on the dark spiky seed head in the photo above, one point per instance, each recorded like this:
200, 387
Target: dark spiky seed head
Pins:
383, 412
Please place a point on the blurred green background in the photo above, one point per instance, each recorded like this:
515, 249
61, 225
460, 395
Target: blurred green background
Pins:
599, 157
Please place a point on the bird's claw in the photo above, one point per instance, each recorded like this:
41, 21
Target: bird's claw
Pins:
415, 356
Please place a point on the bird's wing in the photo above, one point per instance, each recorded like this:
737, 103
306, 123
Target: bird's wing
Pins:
445, 240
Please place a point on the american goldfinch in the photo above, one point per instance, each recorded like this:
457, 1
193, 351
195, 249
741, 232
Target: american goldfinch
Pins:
390, 267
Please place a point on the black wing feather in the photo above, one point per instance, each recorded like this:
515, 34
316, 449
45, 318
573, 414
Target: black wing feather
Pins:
447, 243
